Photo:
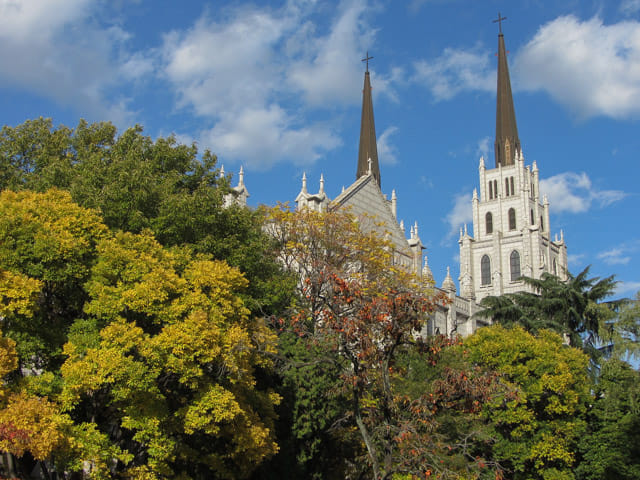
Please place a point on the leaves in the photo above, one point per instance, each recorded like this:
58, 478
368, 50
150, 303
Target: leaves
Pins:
175, 362
574, 307
47, 246
539, 424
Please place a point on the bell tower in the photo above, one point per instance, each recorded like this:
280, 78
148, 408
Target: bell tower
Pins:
511, 234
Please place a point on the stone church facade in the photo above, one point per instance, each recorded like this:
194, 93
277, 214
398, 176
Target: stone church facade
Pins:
511, 229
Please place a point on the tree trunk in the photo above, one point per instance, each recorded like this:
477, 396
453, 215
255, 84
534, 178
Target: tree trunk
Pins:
371, 449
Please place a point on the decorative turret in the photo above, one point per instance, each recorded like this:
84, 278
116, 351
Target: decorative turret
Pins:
507, 145
317, 202
394, 204
238, 194
427, 274
368, 150
448, 285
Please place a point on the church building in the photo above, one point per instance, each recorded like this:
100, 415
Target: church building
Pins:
511, 227
365, 197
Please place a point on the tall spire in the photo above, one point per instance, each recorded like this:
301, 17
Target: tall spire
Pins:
507, 144
368, 149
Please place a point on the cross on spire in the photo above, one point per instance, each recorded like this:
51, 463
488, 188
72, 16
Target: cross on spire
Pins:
366, 59
499, 22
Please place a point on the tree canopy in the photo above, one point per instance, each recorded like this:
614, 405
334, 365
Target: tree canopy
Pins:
137, 183
149, 331
577, 308
537, 427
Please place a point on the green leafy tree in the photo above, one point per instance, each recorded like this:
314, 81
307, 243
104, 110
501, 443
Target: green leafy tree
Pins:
138, 183
536, 426
32, 151
362, 310
444, 395
47, 247
575, 307
315, 436
611, 448
623, 332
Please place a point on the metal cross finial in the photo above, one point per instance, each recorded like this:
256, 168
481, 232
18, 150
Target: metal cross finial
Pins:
499, 21
366, 59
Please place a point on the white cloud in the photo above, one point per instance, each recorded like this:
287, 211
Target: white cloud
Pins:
455, 71
459, 215
574, 192
269, 65
243, 70
385, 84
619, 255
615, 256
387, 152
575, 259
38, 21
484, 147
325, 70
630, 7
627, 289
60, 51
591, 68
264, 136
136, 66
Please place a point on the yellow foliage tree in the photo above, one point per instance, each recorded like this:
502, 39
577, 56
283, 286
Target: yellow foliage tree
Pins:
171, 373
28, 423
47, 246
537, 429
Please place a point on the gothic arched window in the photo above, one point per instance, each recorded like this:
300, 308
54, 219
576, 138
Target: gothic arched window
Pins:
515, 265
490, 190
512, 219
485, 270
555, 267
495, 189
512, 189
541, 224
489, 222
533, 220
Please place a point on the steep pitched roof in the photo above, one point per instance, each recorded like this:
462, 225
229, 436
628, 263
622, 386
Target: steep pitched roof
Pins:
507, 141
368, 148
363, 197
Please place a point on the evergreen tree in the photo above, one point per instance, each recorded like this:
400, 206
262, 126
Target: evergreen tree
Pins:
576, 307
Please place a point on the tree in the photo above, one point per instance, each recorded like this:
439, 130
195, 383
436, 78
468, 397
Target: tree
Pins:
575, 307
611, 448
538, 426
624, 330
165, 364
138, 183
162, 357
444, 394
47, 246
364, 312
314, 433
34, 150
28, 423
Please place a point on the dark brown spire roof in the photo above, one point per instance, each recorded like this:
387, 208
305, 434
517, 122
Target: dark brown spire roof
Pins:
507, 141
368, 148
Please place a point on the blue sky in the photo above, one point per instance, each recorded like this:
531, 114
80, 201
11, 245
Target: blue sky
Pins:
276, 87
